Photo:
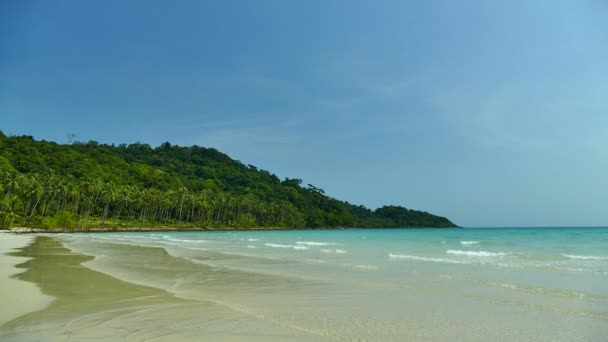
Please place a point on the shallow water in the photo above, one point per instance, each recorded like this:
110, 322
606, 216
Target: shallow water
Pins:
91, 305
422, 285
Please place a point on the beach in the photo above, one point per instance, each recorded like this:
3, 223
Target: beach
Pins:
347, 285
93, 305
17, 297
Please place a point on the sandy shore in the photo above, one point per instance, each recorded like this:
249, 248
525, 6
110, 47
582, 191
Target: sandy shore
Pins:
17, 297
190, 287
92, 305
26, 230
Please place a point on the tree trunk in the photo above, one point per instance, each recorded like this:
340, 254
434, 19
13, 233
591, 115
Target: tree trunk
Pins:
105, 212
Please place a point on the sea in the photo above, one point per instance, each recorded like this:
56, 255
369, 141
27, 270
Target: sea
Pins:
483, 284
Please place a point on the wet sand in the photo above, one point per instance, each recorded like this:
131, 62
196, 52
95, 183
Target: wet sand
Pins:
17, 297
95, 306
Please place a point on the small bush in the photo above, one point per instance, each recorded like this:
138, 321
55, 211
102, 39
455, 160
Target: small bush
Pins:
61, 220
245, 221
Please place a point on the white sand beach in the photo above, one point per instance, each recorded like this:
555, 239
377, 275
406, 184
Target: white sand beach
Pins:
17, 297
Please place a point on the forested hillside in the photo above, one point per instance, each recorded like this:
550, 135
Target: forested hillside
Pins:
82, 185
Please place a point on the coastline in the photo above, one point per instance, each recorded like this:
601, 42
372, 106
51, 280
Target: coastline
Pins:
310, 285
30, 297
92, 304
25, 230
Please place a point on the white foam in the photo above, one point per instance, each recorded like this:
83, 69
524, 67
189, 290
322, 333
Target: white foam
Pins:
421, 258
252, 240
278, 245
152, 237
585, 257
126, 236
475, 253
118, 241
333, 251
468, 243
182, 240
366, 267
250, 246
196, 248
315, 243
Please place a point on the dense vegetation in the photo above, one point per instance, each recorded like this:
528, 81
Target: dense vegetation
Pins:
83, 185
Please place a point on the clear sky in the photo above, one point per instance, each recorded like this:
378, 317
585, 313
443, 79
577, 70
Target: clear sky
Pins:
493, 113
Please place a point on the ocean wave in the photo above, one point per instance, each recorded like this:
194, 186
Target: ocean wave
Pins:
421, 258
115, 238
279, 245
315, 243
585, 257
333, 251
253, 240
468, 243
125, 236
365, 267
117, 241
251, 246
475, 253
182, 240
195, 248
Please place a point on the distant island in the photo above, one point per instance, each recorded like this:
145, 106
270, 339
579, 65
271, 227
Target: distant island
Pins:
93, 186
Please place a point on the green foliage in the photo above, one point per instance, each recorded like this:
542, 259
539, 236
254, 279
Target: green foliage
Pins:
62, 220
10, 210
91, 184
395, 216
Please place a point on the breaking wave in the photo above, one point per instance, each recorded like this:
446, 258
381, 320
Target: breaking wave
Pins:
468, 243
421, 258
333, 251
278, 245
315, 243
475, 253
585, 257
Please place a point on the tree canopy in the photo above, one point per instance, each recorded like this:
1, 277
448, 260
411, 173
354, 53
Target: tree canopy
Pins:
88, 184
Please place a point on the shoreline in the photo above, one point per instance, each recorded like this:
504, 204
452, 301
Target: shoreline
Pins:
30, 297
110, 290
92, 304
25, 230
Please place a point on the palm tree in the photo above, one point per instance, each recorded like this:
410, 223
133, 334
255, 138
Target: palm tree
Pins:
36, 191
182, 193
74, 194
109, 195
13, 183
10, 207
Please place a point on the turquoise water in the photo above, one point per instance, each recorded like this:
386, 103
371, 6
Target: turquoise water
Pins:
547, 284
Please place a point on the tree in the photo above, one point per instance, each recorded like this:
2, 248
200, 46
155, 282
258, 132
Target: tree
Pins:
10, 209
170, 185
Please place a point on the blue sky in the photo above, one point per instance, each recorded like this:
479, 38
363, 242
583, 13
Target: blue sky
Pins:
491, 113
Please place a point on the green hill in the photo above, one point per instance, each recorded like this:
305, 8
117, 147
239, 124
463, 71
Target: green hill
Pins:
82, 185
